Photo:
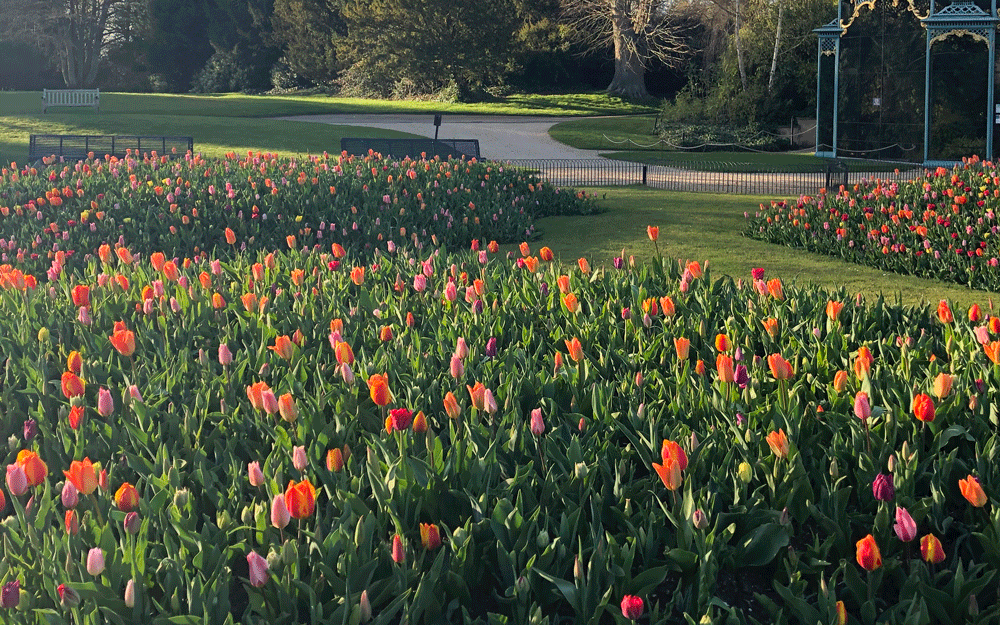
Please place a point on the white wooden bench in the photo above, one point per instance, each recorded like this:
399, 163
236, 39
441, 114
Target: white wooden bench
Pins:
71, 97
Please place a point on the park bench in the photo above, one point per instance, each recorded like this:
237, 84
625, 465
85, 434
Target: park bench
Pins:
71, 97
78, 147
414, 148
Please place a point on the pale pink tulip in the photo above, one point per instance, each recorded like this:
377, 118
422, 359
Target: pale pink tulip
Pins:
258, 569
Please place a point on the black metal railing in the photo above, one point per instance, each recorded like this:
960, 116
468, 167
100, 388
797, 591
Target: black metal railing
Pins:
81, 146
713, 176
414, 148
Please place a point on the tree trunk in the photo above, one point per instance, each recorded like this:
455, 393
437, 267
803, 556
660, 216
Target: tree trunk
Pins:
777, 44
740, 61
630, 73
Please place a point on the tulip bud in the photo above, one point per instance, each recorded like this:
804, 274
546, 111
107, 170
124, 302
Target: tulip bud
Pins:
17, 480
882, 487
43, 335
398, 555
699, 520
10, 596
70, 495
105, 404
745, 472
181, 497
537, 424
364, 607
30, 430
891, 463
95, 561
279, 512
784, 519
491, 347
72, 522
102, 478
225, 356
132, 523
299, 459
258, 569
457, 368
578, 571
130, 594
254, 474
334, 460
347, 373
905, 527
68, 597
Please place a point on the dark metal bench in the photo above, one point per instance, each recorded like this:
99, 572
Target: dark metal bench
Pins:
414, 148
78, 147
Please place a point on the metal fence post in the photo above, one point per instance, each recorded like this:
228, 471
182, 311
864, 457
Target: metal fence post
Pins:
644, 168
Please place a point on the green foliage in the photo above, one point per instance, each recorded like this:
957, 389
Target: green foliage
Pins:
428, 45
308, 29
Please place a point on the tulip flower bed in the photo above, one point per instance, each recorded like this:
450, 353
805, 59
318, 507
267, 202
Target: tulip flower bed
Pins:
183, 207
942, 226
332, 434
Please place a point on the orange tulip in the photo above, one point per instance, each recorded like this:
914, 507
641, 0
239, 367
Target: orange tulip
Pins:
669, 472
430, 536
942, 385
477, 394
123, 255
778, 443
546, 254
81, 295
975, 313
170, 271
584, 265
973, 491
671, 450
358, 275
74, 362
72, 386
721, 343
869, 557
840, 381
771, 325
781, 369
335, 460
667, 306
300, 499
833, 310
298, 276
157, 259
218, 302
575, 349
841, 613
290, 240
695, 268
249, 301
699, 367
230, 236
75, 417
451, 406
385, 334
724, 368
378, 387
944, 312
124, 341
775, 289
286, 406
923, 408
127, 497
653, 232
34, 468
345, 355
571, 303
104, 253
563, 283
72, 521
683, 347
283, 347
993, 351
83, 474
931, 549
255, 394
524, 248
863, 362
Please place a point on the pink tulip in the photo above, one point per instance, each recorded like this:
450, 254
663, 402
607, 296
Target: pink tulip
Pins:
419, 283
130, 594
269, 401
84, 316
216, 267
457, 368
17, 480
348, 373
451, 292
862, 409
134, 393
225, 356
158, 291
105, 405
489, 402
905, 527
70, 495
537, 424
95, 561
461, 348
299, 459
255, 475
279, 512
258, 569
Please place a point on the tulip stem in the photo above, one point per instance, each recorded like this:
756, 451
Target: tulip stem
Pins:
97, 511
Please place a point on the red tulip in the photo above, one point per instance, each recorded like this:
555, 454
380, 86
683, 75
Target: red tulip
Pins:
869, 557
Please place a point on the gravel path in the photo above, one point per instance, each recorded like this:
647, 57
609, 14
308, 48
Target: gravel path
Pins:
500, 137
